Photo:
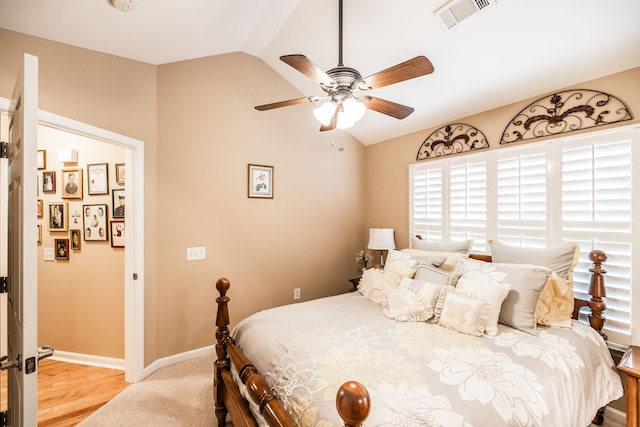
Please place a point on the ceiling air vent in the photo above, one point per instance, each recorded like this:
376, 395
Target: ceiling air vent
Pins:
456, 11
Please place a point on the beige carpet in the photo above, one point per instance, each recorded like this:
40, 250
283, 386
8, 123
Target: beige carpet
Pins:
176, 395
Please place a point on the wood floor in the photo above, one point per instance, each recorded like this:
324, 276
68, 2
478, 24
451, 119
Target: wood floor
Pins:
69, 392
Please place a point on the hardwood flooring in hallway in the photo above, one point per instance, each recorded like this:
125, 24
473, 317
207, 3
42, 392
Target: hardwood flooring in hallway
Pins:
70, 392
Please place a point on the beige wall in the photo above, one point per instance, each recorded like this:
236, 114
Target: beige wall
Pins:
199, 129
80, 300
387, 171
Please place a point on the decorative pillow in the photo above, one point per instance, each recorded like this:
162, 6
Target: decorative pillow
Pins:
463, 247
555, 305
412, 300
474, 280
422, 258
562, 259
463, 314
435, 275
375, 284
401, 263
451, 258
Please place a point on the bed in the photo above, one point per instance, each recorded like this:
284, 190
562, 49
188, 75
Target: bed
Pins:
344, 359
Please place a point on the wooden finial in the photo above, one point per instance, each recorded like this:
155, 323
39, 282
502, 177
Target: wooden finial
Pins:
353, 403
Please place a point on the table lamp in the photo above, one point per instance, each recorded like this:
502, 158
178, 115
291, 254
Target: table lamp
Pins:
381, 239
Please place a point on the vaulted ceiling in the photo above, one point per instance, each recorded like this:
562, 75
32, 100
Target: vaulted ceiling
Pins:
509, 51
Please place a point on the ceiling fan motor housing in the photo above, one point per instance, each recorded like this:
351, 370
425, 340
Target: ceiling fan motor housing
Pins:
345, 78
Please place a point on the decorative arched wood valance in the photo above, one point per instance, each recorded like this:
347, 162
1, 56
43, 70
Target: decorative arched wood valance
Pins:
450, 139
565, 111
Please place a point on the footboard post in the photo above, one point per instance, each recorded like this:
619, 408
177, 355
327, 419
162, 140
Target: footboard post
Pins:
353, 403
597, 291
222, 362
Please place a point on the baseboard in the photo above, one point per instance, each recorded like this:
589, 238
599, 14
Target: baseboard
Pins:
88, 359
615, 415
180, 357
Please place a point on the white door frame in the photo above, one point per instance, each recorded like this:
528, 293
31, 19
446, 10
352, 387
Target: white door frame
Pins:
134, 237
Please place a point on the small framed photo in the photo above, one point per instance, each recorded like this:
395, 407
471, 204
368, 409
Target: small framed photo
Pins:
58, 216
76, 239
117, 202
62, 248
42, 159
261, 181
98, 178
72, 183
39, 233
120, 173
49, 182
40, 208
95, 222
117, 233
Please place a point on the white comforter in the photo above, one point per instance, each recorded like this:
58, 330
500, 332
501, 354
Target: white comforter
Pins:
421, 374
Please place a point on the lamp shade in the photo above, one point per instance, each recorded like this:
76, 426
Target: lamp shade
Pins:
381, 239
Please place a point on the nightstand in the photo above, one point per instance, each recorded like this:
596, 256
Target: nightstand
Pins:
354, 284
630, 365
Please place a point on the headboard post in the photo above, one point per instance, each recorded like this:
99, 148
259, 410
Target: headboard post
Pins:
597, 291
222, 337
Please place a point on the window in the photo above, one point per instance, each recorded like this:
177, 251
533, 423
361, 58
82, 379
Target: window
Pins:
540, 195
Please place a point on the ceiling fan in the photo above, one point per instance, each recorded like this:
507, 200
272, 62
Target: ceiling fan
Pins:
341, 84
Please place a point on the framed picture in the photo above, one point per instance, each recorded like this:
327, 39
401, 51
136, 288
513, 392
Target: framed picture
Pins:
62, 248
40, 208
39, 233
120, 173
58, 216
261, 181
95, 222
98, 178
49, 182
72, 183
117, 233
42, 159
117, 202
75, 239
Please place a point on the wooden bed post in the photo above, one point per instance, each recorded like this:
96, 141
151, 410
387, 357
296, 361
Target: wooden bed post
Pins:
353, 403
222, 362
597, 291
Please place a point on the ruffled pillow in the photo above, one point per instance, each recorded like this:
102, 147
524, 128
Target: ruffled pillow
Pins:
412, 301
375, 284
555, 306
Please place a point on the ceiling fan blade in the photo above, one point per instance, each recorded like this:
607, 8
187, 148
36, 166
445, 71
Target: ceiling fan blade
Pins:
308, 68
287, 103
389, 108
415, 67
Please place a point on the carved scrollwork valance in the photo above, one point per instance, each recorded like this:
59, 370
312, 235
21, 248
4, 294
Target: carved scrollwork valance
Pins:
450, 139
565, 111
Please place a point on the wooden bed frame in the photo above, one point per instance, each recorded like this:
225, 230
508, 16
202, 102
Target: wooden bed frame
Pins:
352, 399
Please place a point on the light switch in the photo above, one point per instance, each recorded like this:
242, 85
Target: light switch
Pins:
49, 255
194, 254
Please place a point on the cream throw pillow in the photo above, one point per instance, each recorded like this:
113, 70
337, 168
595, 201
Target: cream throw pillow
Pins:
463, 314
555, 306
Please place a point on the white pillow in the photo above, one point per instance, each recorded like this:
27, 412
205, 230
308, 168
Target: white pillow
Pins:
412, 300
451, 258
435, 275
463, 247
463, 313
401, 263
375, 284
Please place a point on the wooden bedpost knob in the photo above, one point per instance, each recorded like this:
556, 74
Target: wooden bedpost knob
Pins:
353, 403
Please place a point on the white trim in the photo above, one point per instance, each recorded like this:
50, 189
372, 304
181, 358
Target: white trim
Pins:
181, 357
615, 415
88, 359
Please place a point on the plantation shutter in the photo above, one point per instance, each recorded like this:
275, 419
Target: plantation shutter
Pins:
427, 196
468, 202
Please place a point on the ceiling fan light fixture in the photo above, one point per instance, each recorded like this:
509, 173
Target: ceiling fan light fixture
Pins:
354, 109
325, 112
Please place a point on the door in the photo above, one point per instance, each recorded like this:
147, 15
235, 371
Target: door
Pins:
21, 196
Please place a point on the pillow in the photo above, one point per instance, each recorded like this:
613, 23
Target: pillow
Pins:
562, 259
463, 247
400, 263
412, 300
424, 258
451, 258
485, 288
555, 306
375, 284
463, 314
435, 275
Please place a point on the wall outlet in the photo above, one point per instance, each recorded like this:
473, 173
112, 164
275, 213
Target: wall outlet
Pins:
194, 254
296, 293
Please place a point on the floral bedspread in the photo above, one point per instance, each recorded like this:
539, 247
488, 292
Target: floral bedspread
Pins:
422, 374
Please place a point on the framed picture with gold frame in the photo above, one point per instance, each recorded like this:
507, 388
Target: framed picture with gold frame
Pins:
58, 216
95, 222
62, 248
260, 182
76, 239
42, 159
72, 183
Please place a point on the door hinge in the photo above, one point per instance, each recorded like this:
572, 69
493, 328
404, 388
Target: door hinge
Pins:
3, 419
4, 147
4, 285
